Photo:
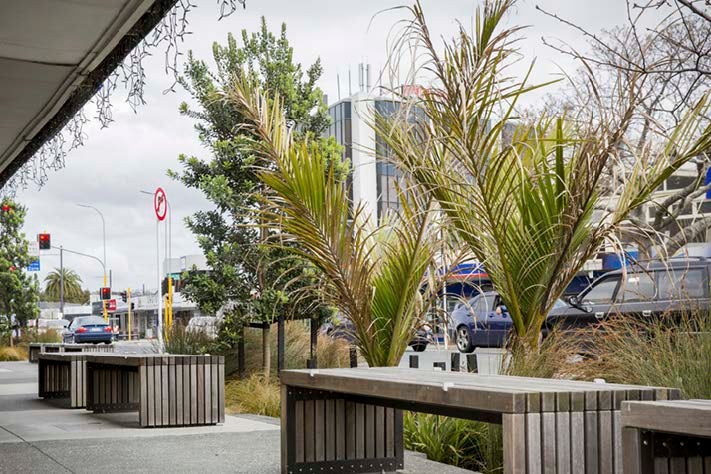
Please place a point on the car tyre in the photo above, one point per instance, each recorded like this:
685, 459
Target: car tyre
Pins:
419, 347
464, 340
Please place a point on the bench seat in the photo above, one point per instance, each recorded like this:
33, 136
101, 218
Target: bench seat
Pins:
350, 420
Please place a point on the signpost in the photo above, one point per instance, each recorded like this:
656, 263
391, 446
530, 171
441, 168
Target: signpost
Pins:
111, 305
160, 206
34, 266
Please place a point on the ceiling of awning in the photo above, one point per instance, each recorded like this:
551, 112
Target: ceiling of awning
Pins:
48, 49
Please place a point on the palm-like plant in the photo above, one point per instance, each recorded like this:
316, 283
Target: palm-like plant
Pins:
373, 276
525, 209
72, 285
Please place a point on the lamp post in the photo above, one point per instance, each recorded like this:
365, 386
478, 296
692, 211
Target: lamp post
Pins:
103, 225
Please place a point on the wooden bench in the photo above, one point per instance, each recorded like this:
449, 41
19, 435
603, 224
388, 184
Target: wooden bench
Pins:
36, 348
166, 390
667, 437
350, 420
63, 377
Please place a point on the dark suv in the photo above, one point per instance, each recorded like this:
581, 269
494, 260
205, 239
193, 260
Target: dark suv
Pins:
644, 291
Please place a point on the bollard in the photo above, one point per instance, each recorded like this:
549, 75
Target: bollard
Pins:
440, 365
471, 363
311, 364
353, 357
414, 362
456, 359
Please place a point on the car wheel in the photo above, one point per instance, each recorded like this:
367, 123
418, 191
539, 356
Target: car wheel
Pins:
419, 347
464, 340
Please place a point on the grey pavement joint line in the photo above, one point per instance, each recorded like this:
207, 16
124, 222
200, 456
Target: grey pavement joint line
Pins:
38, 449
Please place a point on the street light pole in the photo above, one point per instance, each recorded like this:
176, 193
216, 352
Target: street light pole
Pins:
103, 224
61, 280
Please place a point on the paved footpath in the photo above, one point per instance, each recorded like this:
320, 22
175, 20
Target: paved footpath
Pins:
37, 437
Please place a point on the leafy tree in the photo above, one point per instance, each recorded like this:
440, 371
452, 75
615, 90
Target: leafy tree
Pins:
73, 292
19, 292
245, 272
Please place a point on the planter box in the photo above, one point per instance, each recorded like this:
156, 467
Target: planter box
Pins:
490, 361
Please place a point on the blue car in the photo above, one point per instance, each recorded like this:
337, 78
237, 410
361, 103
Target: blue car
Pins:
483, 321
88, 329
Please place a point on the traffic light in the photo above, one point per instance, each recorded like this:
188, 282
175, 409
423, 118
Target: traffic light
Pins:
105, 293
124, 296
44, 241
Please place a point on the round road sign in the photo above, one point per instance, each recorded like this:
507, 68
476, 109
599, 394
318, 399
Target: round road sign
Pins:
160, 204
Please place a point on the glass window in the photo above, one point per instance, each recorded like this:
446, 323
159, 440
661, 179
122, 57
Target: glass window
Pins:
484, 304
347, 129
637, 287
681, 284
602, 292
347, 110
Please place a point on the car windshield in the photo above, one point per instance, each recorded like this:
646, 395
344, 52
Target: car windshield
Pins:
559, 303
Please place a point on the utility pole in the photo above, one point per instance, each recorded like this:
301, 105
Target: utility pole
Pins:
61, 281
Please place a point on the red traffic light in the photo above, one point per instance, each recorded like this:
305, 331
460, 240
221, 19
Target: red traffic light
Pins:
44, 241
105, 293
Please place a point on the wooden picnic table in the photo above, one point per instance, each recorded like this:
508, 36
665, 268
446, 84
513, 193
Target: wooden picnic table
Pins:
350, 420
166, 390
667, 437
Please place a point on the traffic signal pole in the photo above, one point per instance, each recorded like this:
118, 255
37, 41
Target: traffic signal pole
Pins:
128, 302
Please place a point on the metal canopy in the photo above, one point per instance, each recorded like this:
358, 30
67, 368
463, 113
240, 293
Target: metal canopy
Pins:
54, 54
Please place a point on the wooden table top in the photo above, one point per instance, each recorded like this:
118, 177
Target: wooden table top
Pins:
493, 393
129, 359
689, 417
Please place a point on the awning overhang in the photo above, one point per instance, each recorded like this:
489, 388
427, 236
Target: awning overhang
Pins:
54, 56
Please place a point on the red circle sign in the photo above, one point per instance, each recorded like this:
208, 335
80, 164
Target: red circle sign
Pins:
160, 204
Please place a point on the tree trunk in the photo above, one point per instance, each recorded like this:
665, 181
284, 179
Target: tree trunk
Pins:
266, 351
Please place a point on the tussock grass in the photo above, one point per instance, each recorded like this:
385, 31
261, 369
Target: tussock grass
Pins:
660, 353
330, 352
179, 341
13, 354
255, 394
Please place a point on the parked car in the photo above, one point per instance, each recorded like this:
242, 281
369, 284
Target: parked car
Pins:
88, 329
645, 291
483, 321
342, 328
205, 324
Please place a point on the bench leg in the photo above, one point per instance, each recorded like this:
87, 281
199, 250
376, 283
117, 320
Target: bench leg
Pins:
325, 432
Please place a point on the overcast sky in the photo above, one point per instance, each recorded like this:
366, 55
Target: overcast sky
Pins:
135, 151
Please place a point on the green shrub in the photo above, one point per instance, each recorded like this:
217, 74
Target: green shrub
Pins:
464, 443
12, 354
255, 394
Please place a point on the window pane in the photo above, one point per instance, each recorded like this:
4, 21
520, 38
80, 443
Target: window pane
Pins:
681, 284
602, 292
638, 287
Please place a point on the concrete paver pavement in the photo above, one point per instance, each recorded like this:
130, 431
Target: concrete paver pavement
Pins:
37, 437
